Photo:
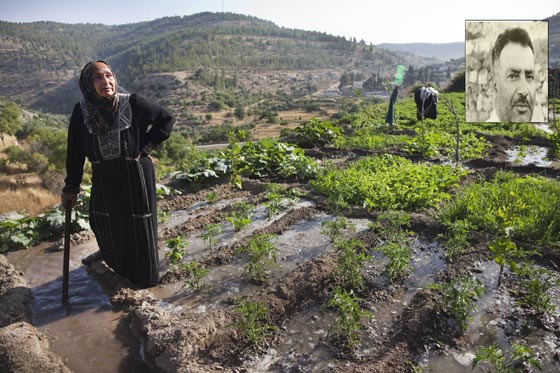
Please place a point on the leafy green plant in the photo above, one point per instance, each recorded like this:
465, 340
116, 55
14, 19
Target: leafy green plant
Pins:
22, 233
163, 191
210, 236
534, 285
351, 256
261, 254
335, 228
162, 216
211, 197
526, 200
177, 246
459, 297
435, 143
234, 137
388, 183
240, 215
195, 273
399, 260
350, 314
28, 231
316, 132
273, 204
391, 228
456, 238
494, 356
252, 322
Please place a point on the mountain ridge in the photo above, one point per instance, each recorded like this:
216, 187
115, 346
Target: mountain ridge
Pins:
441, 51
38, 58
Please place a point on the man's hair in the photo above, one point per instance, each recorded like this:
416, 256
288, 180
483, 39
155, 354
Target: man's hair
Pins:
512, 35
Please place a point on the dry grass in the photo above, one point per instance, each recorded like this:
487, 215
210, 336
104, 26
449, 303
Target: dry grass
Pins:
30, 200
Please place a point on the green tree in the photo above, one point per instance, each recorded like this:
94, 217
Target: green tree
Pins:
239, 112
10, 120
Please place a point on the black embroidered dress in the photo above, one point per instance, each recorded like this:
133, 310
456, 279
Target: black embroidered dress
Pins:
123, 198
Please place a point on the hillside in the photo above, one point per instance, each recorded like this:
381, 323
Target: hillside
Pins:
443, 51
39, 61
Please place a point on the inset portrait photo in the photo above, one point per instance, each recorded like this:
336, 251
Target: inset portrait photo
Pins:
506, 71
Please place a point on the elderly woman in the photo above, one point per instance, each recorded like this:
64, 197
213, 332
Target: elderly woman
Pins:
116, 132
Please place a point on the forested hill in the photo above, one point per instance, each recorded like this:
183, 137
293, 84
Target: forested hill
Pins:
39, 61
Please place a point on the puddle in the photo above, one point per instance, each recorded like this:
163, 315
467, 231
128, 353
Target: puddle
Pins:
84, 335
300, 348
488, 326
300, 243
531, 155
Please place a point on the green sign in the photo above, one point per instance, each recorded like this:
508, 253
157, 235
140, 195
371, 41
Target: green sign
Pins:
399, 75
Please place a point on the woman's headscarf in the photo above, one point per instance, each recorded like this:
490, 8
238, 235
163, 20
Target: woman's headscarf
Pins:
101, 110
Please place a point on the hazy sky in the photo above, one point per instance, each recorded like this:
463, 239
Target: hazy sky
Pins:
435, 21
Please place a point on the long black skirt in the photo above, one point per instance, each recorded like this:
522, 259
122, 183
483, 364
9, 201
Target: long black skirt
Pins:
123, 217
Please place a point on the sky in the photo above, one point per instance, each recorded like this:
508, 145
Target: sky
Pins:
389, 21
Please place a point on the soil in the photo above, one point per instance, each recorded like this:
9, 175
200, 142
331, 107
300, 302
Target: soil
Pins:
177, 339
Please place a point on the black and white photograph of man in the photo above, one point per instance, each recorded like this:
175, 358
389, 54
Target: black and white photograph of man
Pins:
506, 63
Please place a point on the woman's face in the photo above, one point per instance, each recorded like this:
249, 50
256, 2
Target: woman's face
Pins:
103, 80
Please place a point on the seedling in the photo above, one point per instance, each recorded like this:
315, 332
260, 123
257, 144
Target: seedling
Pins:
177, 246
195, 272
274, 204
391, 227
349, 317
503, 249
498, 360
459, 298
252, 321
240, 216
334, 229
261, 254
351, 256
399, 260
534, 285
212, 230
211, 197
162, 216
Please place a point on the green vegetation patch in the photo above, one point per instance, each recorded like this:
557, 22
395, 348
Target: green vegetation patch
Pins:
531, 204
388, 183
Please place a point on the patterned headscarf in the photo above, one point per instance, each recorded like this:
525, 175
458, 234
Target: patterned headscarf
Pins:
96, 104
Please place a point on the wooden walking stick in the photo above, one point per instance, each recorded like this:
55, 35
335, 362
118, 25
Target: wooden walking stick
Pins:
66, 262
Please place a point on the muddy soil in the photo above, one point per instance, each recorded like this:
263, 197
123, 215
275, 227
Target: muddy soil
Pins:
178, 329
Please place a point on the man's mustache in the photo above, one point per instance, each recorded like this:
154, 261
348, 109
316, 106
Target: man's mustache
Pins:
522, 100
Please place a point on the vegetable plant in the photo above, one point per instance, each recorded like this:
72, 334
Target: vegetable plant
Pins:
351, 256
177, 246
195, 273
210, 236
500, 361
388, 183
391, 228
240, 215
399, 260
261, 254
335, 228
350, 314
459, 297
211, 197
534, 285
252, 320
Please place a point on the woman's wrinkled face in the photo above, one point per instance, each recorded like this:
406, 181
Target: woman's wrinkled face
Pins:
103, 80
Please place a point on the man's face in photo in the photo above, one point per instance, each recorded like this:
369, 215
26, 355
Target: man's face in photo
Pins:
514, 76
